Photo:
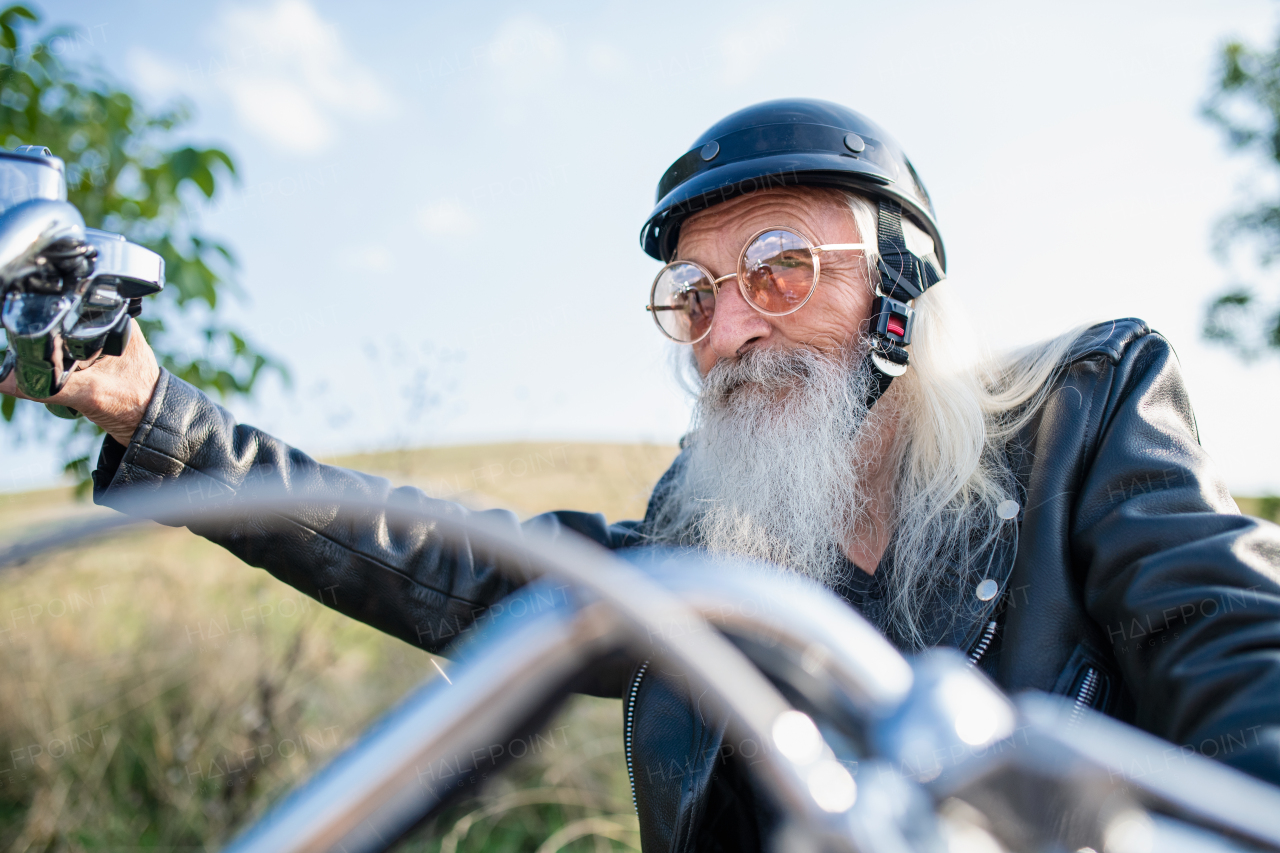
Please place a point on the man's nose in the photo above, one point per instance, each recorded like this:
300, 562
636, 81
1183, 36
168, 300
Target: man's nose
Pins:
735, 324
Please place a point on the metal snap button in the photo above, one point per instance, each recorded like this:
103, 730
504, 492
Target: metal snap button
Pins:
854, 142
710, 150
1008, 509
987, 589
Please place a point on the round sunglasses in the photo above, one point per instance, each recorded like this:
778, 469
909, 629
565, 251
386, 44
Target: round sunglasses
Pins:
778, 271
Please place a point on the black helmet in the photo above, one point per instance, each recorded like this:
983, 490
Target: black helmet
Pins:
789, 142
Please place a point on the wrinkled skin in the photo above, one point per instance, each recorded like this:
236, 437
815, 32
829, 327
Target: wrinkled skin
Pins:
111, 392
832, 316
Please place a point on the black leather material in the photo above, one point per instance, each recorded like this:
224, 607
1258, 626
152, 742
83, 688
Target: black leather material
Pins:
1130, 558
676, 747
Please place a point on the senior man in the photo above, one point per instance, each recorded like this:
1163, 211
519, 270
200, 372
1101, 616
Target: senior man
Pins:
1049, 513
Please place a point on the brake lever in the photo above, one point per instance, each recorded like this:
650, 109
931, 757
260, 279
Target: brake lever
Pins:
67, 292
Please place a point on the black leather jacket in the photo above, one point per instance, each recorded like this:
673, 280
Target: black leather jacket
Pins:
1133, 583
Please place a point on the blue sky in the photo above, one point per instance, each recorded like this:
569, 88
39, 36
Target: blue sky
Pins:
440, 203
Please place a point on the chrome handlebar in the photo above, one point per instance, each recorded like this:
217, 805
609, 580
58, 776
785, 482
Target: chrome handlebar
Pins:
68, 291
893, 754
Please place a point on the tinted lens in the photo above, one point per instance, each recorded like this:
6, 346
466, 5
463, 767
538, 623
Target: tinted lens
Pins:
683, 301
777, 271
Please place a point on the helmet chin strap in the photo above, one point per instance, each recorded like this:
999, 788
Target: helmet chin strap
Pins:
903, 276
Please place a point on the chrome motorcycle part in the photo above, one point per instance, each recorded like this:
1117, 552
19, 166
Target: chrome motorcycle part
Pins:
66, 289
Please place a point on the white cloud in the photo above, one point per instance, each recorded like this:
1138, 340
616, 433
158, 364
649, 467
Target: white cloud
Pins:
526, 55
446, 218
748, 50
153, 74
604, 58
291, 41
368, 258
286, 71
283, 112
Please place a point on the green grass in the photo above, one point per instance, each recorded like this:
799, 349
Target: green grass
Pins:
155, 692
1267, 507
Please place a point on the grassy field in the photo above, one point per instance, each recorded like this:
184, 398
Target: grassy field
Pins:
1267, 507
157, 693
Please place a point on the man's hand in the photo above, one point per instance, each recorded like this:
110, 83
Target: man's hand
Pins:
113, 392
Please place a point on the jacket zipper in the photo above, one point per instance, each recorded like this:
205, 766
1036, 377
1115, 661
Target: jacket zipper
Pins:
629, 729
1086, 694
984, 643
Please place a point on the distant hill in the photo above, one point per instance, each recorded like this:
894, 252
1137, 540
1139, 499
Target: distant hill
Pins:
614, 479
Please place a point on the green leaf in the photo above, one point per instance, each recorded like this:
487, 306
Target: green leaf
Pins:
182, 163
212, 154
1239, 298
203, 178
18, 11
1244, 102
7, 406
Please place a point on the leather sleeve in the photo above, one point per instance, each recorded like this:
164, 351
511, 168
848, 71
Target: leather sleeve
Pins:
1184, 586
404, 579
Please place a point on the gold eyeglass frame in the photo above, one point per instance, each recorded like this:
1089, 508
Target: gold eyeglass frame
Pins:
740, 275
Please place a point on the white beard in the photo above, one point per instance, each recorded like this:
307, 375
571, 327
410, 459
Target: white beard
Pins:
776, 466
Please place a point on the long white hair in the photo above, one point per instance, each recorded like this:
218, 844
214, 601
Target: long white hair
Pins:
960, 404
954, 412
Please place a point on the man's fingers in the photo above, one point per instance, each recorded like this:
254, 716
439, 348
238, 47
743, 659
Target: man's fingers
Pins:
10, 386
113, 392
